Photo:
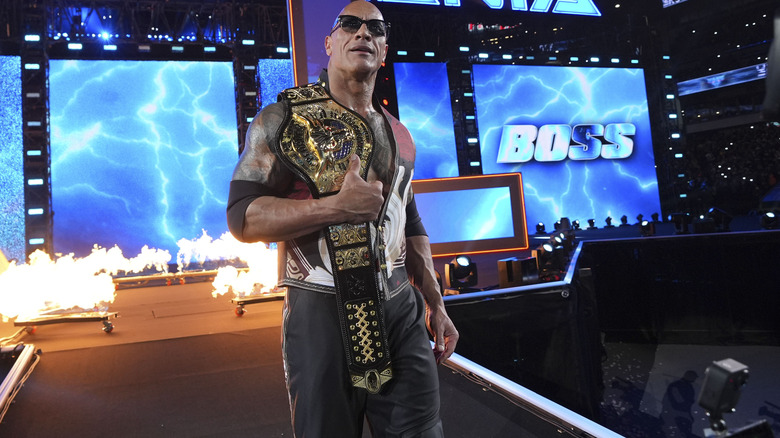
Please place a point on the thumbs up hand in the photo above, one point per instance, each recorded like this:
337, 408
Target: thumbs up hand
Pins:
361, 201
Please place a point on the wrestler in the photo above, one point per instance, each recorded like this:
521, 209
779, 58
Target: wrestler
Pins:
327, 172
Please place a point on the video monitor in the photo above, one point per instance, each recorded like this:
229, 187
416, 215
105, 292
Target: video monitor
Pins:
12, 229
580, 136
723, 79
473, 214
142, 152
424, 107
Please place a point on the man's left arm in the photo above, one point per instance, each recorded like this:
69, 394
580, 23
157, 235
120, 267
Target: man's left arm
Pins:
419, 266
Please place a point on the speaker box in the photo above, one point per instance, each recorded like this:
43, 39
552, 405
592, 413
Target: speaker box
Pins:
517, 272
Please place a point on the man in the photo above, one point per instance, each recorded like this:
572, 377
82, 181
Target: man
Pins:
317, 198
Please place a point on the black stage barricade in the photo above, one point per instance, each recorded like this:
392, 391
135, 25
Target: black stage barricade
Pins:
634, 320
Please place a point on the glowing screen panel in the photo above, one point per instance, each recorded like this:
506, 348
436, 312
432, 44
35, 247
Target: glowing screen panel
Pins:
444, 212
724, 79
11, 155
472, 214
273, 76
580, 136
141, 152
424, 108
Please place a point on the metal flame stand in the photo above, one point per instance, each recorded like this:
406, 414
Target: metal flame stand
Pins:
168, 278
60, 318
277, 293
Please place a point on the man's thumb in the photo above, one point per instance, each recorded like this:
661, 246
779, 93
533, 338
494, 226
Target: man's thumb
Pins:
354, 164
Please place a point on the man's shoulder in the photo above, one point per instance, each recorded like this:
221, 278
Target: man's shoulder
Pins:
269, 117
399, 129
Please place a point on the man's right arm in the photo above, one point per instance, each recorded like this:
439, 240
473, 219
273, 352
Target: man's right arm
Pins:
257, 210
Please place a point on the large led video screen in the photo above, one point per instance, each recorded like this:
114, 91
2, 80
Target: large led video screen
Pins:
11, 160
579, 135
142, 152
424, 107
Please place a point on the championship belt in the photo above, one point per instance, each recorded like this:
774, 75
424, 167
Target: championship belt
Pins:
317, 138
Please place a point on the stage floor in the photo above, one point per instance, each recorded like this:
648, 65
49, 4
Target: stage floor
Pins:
180, 363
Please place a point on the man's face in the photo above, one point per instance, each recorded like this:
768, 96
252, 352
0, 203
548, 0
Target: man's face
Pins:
362, 50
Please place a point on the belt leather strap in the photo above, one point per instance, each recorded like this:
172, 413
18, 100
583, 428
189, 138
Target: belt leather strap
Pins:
316, 139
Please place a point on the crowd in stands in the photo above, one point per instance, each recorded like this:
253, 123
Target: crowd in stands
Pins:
731, 169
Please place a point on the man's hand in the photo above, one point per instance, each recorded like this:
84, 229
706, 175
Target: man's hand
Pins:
445, 336
361, 200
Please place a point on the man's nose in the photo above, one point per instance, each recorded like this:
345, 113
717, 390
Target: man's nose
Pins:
363, 31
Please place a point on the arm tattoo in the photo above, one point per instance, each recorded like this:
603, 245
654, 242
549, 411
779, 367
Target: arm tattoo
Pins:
258, 162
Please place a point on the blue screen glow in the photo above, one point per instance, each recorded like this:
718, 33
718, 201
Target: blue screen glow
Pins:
424, 108
489, 214
580, 137
273, 76
142, 152
725, 79
11, 160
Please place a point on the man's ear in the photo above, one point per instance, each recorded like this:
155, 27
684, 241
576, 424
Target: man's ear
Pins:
384, 56
328, 48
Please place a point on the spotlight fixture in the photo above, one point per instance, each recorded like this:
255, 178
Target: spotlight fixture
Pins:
769, 221
551, 259
592, 224
540, 228
564, 240
543, 254
647, 228
576, 224
655, 217
461, 274
640, 218
624, 221
608, 221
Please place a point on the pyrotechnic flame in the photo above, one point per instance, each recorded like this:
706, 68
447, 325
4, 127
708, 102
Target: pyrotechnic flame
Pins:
261, 276
43, 285
69, 283
113, 262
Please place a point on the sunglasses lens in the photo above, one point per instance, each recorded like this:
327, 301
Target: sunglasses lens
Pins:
352, 24
376, 27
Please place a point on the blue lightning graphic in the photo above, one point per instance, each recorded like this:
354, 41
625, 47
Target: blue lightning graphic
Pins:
142, 152
489, 214
424, 108
540, 95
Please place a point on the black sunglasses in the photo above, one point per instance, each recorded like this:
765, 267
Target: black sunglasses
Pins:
351, 24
